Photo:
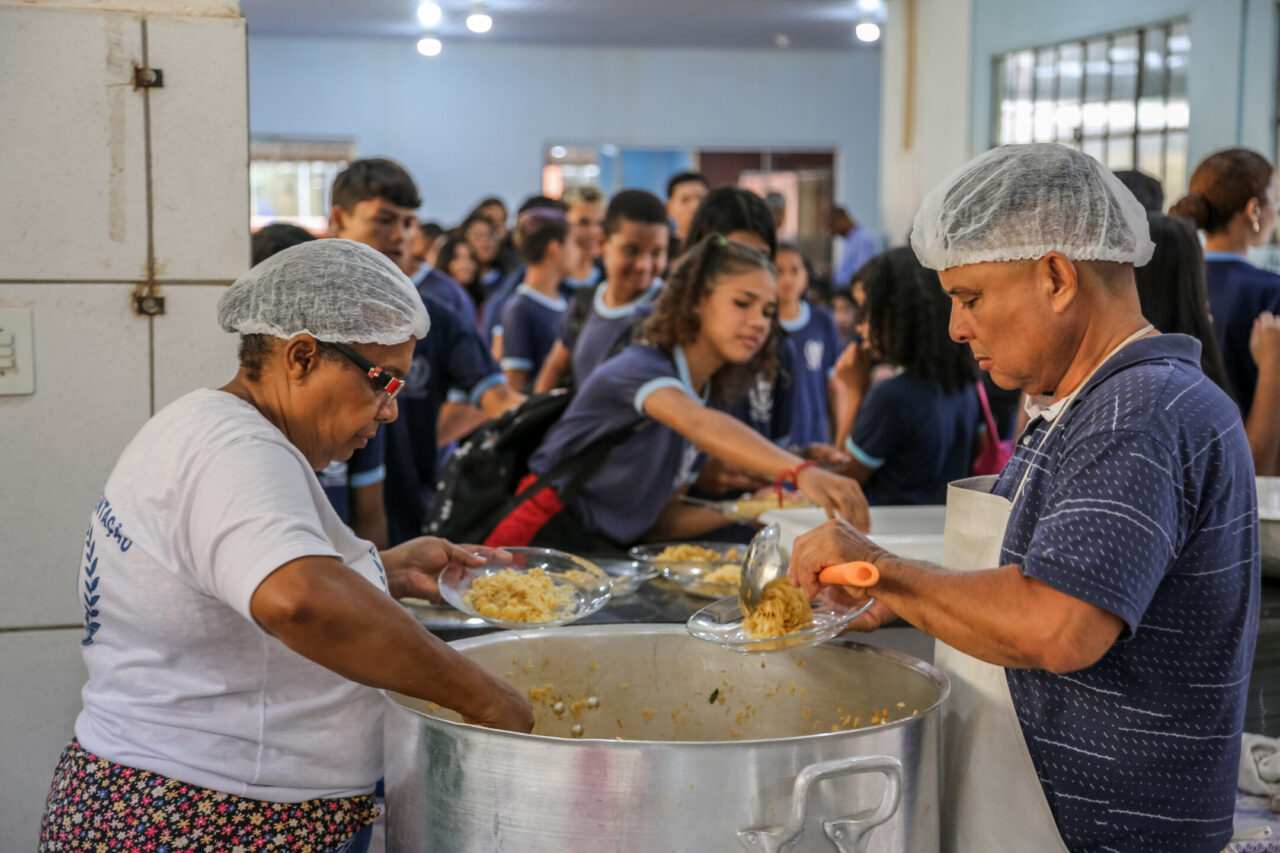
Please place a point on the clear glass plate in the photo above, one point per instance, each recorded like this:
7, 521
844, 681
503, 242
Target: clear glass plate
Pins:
627, 576
689, 574
589, 591
721, 623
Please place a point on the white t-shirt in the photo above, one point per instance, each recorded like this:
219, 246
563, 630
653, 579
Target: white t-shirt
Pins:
206, 501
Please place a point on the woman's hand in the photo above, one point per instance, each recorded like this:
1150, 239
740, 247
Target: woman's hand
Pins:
835, 542
1264, 342
503, 707
413, 569
839, 496
853, 368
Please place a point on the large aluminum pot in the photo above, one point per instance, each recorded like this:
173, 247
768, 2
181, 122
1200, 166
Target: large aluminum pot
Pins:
683, 746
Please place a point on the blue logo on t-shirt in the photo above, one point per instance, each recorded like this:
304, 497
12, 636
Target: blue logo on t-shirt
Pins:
90, 594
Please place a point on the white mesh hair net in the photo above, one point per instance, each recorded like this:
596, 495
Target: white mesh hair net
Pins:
334, 290
1018, 202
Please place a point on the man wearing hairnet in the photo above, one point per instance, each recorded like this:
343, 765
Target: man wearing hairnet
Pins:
236, 631
1097, 606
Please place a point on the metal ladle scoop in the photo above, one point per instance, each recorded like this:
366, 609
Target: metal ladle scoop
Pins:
766, 560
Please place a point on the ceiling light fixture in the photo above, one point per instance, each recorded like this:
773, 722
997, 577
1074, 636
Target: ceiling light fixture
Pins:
429, 14
430, 46
782, 40
867, 32
869, 6
478, 22
559, 152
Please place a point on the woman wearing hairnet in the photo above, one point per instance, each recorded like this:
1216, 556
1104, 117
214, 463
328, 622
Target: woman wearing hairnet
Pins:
1098, 607
236, 632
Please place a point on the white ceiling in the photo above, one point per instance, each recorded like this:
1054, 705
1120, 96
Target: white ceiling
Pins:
807, 24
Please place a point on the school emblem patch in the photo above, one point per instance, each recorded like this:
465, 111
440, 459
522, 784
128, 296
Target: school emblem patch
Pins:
813, 354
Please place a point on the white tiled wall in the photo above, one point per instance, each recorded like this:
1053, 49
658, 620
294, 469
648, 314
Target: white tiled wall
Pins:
42, 674
75, 247
75, 176
92, 395
199, 147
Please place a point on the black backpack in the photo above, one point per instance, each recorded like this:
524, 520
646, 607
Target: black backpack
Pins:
478, 486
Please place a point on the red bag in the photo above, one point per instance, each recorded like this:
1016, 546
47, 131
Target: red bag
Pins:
994, 453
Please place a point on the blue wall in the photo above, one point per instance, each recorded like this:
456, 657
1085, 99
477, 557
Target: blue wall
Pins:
1232, 72
476, 119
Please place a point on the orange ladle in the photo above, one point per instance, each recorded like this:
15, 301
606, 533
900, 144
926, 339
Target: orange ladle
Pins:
855, 573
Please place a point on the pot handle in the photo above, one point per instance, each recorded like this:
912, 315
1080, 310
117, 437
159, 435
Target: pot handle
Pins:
848, 834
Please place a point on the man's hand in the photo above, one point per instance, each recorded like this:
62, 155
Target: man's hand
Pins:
413, 569
837, 541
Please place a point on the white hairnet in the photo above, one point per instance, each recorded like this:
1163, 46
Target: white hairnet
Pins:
1018, 202
334, 290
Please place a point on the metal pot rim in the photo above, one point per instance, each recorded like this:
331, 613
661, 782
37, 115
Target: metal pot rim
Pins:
928, 670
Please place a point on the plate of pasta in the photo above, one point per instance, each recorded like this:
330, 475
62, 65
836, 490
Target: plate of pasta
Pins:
536, 588
785, 619
704, 569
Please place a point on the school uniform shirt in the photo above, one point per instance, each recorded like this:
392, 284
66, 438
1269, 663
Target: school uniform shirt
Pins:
571, 284
366, 467
816, 345
624, 497
1238, 293
916, 438
1142, 502
491, 314
207, 501
530, 324
445, 290
451, 356
769, 407
602, 331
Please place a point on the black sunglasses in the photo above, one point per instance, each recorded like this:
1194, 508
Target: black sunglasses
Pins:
381, 379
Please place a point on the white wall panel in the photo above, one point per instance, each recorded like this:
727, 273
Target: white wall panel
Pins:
42, 673
73, 144
92, 395
192, 351
199, 148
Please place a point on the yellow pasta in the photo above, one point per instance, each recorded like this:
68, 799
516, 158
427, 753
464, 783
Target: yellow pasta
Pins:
754, 507
728, 573
518, 596
784, 609
695, 554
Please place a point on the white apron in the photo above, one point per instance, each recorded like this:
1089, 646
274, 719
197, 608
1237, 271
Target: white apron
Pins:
992, 800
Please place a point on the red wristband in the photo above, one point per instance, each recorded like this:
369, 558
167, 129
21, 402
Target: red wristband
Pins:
790, 475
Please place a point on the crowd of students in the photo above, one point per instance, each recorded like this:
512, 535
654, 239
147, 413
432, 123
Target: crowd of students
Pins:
702, 358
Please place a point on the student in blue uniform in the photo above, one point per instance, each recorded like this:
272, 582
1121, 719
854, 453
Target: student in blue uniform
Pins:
1233, 200
586, 229
811, 329
457, 263
635, 253
917, 430
533, 316
711, 329
451, 356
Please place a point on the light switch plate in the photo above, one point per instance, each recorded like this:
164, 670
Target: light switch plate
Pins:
17, 349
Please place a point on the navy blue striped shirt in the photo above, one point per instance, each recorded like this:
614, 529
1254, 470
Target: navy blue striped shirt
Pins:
1142, 502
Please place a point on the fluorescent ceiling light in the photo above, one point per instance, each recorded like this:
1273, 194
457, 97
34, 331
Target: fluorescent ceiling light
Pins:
869, 5
429, 14
478, 22
430, 46
867, 32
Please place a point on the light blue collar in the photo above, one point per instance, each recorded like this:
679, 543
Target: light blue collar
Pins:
682, 367
577, 283
623, 310
792, 326
557, 303
1227, 256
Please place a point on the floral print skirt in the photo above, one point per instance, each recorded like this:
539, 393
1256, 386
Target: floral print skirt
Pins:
95, 805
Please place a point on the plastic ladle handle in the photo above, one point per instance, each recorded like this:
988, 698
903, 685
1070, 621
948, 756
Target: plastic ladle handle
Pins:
856, 573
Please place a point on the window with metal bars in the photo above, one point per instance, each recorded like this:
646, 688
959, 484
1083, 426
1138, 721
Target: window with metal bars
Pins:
1119, 97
